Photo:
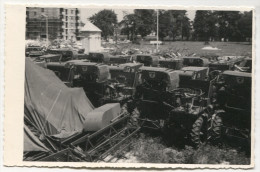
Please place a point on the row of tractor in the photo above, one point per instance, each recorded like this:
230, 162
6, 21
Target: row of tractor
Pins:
190, 99
223, 63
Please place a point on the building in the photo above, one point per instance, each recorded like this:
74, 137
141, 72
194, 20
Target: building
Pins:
90, 36
63, 23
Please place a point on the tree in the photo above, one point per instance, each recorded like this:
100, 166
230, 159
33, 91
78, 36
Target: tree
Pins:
166, 24
146, 21
106, 21
245, 25
140, 22
205, 25
173, 23
186, 28
228, 25
129, 24
183, 24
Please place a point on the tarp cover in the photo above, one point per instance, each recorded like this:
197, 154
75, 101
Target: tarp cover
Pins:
51, 106
32, 143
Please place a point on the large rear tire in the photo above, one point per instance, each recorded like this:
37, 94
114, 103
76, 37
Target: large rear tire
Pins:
216, 132
198, 132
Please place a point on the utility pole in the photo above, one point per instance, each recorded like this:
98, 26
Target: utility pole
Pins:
181, 27
157, 30
116, 28
47, 31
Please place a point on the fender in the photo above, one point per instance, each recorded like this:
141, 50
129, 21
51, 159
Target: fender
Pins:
219, 112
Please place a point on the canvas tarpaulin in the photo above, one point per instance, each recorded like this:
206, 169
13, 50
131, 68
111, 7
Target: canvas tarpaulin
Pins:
52, 107
32, 143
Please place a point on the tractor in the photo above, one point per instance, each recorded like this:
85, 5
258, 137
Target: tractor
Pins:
171, 63
125, 73
195, 61
119, 59
61, 69
232, 105
162, 105
147, 60
197, 77
67, 54
245, 65
50, 59
93, 77
34, 51
225, 63
99, 57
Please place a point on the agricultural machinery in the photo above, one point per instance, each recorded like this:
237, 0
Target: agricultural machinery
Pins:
171, 63
75, 130
147, 60
94, 78
225, 63
195, 61
232, 104
106, 129
197, 77
98, 57
106, 58
34, 51
125, 74
119, 59
162, 105
245, 65
66, 54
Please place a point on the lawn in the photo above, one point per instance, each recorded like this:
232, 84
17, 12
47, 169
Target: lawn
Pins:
188, 47
146, 149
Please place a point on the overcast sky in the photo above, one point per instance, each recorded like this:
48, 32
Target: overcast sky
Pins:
86, 13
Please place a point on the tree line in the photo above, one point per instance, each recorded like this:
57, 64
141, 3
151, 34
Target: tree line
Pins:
175, 24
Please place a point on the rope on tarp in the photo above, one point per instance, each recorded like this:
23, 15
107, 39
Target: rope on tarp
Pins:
45, 122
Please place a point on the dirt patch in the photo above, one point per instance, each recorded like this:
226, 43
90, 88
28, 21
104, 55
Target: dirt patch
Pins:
210, 48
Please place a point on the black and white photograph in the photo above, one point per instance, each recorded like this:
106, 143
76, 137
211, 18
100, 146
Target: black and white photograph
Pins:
138, 85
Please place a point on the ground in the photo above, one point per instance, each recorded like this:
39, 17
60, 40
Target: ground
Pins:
148, 149
189, 47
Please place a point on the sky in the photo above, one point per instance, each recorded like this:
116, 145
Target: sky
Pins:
86, 13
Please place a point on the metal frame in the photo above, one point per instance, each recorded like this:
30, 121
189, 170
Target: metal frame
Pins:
98, 145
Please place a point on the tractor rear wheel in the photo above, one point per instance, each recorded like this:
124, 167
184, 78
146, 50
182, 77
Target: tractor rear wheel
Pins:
198, 132
216, 131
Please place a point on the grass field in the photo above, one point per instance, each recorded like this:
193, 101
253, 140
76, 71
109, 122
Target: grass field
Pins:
147, 149
186, 48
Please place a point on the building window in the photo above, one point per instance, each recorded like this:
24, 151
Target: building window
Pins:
42, 10
34, 13
72, 11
